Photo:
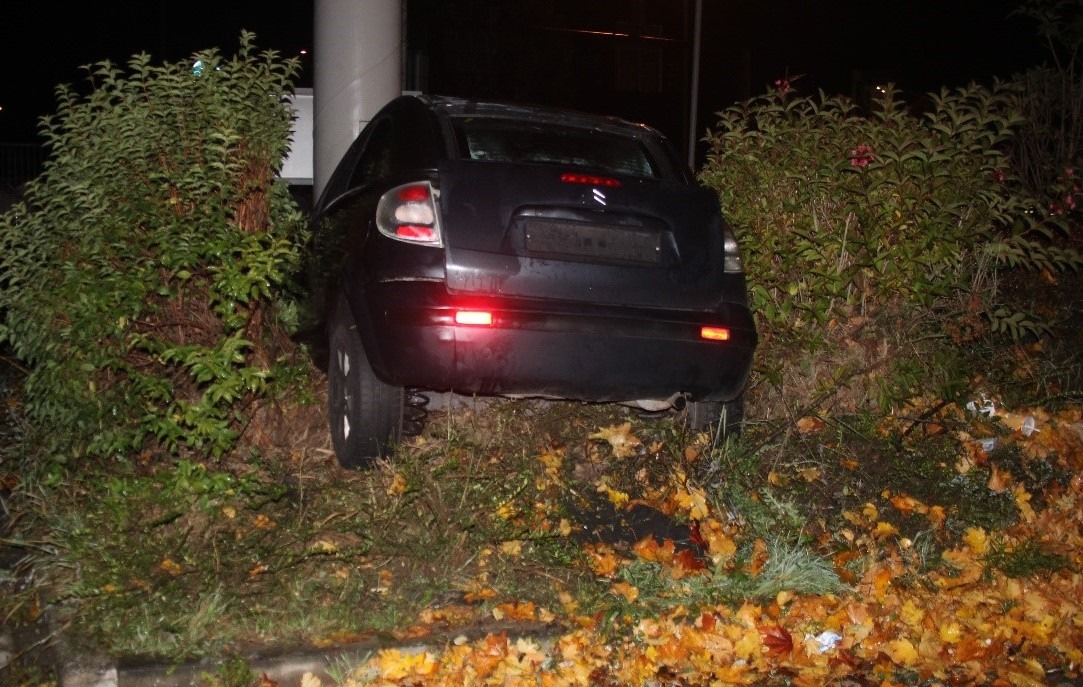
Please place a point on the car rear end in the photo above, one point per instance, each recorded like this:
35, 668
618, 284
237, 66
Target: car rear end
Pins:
559, 255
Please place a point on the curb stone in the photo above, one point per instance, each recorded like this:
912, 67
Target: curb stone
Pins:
284, 668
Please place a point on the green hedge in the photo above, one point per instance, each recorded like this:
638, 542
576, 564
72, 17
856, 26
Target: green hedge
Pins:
879, 230
142, 275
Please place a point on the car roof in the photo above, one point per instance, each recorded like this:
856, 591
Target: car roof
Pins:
448, 106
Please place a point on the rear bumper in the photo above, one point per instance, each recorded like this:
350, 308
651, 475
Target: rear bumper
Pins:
544, 348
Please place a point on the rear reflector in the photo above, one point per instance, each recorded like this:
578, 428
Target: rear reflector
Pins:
481, 318
589, 180
714, 333
416, 233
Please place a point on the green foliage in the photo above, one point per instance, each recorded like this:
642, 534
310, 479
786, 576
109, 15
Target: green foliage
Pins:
234, 672
881, 230
789, 567
1029, 558
142, 274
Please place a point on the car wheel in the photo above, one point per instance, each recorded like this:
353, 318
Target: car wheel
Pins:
366, 413
725, 418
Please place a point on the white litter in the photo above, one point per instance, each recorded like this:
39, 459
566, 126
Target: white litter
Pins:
827, 640
1030, 426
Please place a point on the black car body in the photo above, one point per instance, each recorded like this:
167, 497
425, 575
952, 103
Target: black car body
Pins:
498, 249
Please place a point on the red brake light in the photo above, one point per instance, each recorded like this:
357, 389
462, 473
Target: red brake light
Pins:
714, 333
589, 180
414, 194
482, 318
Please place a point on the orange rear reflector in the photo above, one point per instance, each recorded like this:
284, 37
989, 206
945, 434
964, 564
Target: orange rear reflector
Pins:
482, 318
714, 333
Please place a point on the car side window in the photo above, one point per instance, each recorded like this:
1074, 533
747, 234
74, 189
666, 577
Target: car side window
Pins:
375, 161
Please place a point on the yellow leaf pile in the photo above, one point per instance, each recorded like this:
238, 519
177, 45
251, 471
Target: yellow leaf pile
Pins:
960, 621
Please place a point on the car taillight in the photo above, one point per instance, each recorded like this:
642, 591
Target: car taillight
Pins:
589, 180
408, 213
479, 318
714, 333
731, 258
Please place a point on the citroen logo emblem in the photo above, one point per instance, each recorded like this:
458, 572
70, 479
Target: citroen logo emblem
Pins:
599, 197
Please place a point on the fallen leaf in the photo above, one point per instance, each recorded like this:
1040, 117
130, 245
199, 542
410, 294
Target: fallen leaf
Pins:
758, 558
884, 529
902, 652
1022, 502
262, 522
692, 500
416, 631
719, 544
937, 516
620, 438
907, 504
777, 641
529, 651
478, 589
488, 653
602, 559
706, 621
976, 540
649, 549
397, 486
170, 567
617, 498
515, 611
809, 424
395, 665
625, 590
688, 562
512, 548
451, 614
324, 546
950, 633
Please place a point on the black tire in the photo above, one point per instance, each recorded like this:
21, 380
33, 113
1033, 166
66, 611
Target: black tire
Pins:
365, 412
723, 418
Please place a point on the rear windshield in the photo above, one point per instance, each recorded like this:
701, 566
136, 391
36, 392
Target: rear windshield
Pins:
515, 140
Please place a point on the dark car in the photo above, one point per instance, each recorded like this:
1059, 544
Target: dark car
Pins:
499, 249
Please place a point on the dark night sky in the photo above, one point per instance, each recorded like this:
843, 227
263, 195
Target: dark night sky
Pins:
44, 44
919, 44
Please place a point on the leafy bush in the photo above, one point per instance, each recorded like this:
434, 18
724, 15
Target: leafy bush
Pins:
141, 275
871, 240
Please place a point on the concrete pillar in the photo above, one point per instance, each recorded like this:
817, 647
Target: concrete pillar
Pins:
357, 55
